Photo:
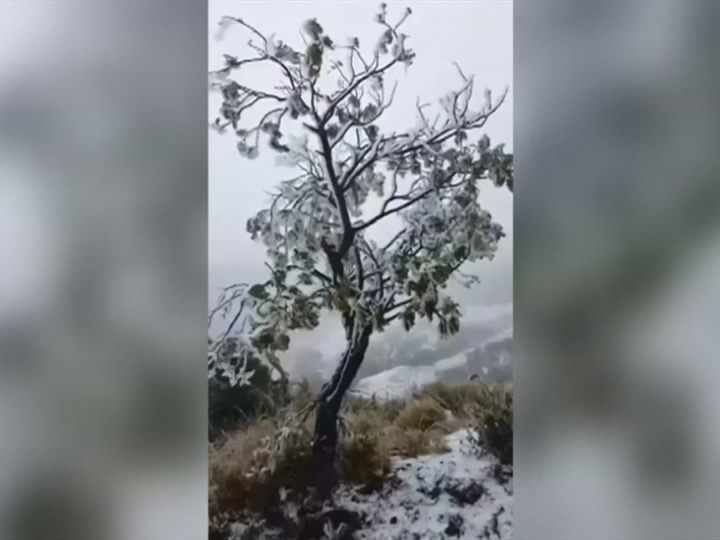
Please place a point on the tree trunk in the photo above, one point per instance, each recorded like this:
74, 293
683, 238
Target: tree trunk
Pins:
326, 417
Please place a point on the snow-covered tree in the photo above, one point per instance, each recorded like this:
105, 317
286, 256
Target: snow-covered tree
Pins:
322, 119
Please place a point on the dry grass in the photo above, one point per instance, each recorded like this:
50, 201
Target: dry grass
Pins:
404, 429
421, 414
250, 467
413, 442
385, 411
462, 399
364, 460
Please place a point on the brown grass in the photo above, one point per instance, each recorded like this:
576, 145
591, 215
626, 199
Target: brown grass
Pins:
400, 428
421, 414
462, 399
248, 470
364, 460
413, 442
385, 411
250, 467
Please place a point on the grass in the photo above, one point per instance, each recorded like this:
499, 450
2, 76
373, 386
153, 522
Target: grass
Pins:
461, 399
254, 469
364, 460
251, 467
421, 414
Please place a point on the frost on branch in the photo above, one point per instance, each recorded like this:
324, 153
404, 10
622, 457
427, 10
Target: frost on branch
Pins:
321, 118
261, 317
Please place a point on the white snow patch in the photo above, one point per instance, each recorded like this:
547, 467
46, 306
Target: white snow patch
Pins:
417, 505
397, 382
401, 381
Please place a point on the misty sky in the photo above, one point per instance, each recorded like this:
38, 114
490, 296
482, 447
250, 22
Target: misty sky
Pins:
476, 35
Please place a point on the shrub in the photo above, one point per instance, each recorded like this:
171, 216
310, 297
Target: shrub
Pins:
400, 429
391, 409
460, 398
421, 414
493, 430
363, 460
413, 442
369, 422
263, 468
249, 470
386, 411
230, 406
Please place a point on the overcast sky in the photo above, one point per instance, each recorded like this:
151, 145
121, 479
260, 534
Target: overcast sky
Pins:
477, 35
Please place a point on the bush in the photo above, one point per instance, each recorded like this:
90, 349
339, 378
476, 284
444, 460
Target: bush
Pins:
413, 442
250, 468
363, 460
460, 398
229, 406
493, 430
422, 414
400, 429
386, 411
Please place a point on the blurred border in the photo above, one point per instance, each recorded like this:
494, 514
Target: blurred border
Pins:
617, 259
103, 289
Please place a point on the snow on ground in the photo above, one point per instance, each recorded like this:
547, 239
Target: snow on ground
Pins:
401, 381
437, 497
397, 382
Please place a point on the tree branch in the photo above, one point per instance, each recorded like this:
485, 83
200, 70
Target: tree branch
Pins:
348, 232
349, 90
409, 202
360, 269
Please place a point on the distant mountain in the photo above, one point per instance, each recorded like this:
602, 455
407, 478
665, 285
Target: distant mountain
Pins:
490, 362
395, 383
483, 347
422, 346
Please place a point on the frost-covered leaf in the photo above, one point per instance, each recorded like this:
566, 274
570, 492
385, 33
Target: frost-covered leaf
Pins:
258, 291
372, 132
313, 29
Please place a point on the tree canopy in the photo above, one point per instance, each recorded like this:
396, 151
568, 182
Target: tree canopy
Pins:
322, 119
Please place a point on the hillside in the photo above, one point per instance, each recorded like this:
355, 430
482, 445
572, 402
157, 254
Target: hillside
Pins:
436, 465
490, 362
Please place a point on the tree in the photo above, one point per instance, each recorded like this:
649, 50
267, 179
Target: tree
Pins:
318, 229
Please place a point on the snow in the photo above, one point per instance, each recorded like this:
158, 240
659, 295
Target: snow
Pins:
397, 382
417, 504
401, 381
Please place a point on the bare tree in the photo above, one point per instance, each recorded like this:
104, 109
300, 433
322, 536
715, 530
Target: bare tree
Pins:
317, 229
